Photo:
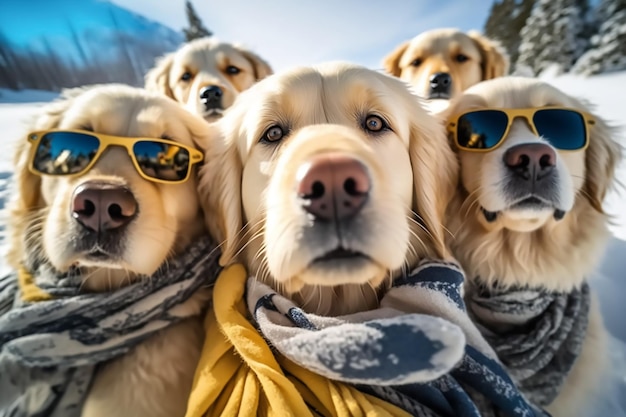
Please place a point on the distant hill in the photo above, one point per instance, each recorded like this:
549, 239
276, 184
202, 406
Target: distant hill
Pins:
53, 44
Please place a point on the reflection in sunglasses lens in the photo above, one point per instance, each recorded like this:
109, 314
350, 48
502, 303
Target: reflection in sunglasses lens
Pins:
481, 129
64, 153
564, 129
161, 160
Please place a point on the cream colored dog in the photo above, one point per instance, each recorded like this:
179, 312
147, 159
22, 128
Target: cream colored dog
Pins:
159, 221
442, 63
543, 230
331, 180
205, 75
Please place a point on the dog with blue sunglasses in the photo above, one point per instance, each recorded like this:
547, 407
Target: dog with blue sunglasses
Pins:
527, 225
105, 207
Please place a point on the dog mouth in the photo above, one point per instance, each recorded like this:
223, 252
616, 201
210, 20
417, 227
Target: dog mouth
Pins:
213, 113
439, 95
340, 254
528, 203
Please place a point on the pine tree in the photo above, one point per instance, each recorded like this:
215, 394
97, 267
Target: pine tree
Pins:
505, 22
608, 46
554, 34
196, 27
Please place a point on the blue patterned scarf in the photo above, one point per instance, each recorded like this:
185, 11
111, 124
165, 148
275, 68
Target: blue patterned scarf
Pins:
49, 348
419, 350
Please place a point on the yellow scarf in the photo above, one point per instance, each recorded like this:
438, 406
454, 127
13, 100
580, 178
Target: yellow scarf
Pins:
239, 375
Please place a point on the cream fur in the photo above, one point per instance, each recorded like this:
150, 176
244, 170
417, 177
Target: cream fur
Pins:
207, 61
251, 184
437, 50
537, 250
153, 379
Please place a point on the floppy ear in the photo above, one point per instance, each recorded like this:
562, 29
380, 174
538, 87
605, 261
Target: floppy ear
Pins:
601, 159
495, 59
158, 78
261, 68
26, 197
219, 187
435, 174
391, 63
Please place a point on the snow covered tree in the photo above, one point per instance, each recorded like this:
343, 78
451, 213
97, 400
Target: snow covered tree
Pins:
505, 22
554, 34
608, 46
196, 27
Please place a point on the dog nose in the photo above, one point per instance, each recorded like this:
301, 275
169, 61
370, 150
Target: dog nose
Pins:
211, 96
333, 186
531, 161
102, 206
440, 82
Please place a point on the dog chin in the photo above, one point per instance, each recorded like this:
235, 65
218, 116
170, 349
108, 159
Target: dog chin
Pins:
333, 273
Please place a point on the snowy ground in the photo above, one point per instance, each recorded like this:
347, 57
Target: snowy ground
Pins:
605, 92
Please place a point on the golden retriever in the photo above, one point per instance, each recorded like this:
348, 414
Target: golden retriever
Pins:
442, 63
205, 75
529, 215
159, 220
330, 180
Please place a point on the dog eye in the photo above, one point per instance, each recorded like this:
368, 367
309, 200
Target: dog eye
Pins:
232, 70
186, 76
273, 134
461, 58
416, 62
375, 123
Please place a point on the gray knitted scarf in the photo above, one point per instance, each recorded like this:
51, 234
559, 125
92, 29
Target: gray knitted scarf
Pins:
49, 349
537, 335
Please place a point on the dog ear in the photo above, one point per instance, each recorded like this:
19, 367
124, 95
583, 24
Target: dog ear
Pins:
158, 78
219, 188
495, 59
261, 68
435, 174
391, 63
26, 197
601, 159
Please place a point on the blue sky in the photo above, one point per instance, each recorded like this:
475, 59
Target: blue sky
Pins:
300, 32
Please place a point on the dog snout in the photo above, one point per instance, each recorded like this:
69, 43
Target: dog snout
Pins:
211, 96
531, 161
440, 82
101, 206
333, 186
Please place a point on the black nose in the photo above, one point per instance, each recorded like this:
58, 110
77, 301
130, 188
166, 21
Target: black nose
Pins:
440, 82
211, 97
530, 161
101, 206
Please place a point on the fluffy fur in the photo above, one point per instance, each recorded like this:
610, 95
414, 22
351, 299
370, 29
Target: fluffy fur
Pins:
154, 379
467, 57
206, 62
251, 184
529, 246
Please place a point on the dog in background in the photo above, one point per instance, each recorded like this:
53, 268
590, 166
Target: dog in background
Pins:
442, 63
205, 75
535, 167
330, 181
116, 226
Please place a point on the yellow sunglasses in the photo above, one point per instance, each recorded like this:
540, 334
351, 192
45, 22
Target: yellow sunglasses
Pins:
74, 152
483, 130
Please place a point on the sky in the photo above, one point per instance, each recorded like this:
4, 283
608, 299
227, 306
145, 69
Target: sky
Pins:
300, 32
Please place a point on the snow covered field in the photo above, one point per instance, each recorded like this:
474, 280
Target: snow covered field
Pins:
605, 92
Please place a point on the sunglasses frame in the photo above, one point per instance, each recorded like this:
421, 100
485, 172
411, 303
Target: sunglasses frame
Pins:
512, 114
106, 141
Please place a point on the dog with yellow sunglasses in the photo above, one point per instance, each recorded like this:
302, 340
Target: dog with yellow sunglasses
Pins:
106, 183
527, 225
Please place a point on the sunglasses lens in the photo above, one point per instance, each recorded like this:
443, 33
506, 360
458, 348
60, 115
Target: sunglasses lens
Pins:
162, 161
564, 129
64, 153
481, 129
